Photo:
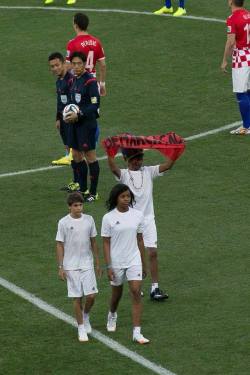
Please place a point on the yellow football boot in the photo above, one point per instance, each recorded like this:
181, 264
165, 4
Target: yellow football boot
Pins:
47, 2
71, 2
65, 160
180, 12
164, 10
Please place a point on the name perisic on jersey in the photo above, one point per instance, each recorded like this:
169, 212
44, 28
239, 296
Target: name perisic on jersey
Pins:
88, 42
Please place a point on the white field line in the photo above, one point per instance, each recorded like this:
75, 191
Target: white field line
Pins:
190, 138
112, 344
121, 11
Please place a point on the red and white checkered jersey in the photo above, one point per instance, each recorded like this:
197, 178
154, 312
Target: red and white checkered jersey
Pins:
241, 58
89, 45
239, 24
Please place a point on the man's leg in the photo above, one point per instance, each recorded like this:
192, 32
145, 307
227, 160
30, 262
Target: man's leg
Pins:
167, 8
80, 169
94, 171
240, 78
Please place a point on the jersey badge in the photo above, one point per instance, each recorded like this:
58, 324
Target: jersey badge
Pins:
64, 99
93, 100
78, 97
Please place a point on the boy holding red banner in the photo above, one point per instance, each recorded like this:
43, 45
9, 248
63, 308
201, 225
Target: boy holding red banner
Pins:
140, 178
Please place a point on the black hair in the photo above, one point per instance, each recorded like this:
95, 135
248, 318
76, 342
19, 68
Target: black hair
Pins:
81, 20
56, 55
132, 153
74, 198
238, 3
118, 189
81, 56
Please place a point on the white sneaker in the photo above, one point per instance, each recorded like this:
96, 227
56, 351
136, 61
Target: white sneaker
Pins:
87, 325
82, 334
240, 131
140, 339
111, 322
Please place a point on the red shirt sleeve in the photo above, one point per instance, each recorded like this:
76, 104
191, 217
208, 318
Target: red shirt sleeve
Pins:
230, 25
99, 51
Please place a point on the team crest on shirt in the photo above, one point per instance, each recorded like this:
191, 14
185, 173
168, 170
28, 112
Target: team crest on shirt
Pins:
71, 228
78, 97
94, 100
118, 222
64, 99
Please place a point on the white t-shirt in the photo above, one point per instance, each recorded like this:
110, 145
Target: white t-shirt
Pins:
141, 184
122, 228
75, 235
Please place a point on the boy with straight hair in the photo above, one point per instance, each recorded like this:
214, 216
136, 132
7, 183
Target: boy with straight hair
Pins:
75, 247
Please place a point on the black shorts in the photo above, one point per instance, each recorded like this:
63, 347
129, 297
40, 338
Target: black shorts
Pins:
64, 132
82, 137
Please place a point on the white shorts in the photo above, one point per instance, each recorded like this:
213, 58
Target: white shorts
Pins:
130, 274
241, 79
150, 233
81, 282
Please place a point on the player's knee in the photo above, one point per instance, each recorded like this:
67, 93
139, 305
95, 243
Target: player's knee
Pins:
91, 298
136, 295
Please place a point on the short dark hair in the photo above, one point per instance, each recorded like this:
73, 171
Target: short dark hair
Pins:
56, 55
132, 153
81, 56
81, 20
75, 197
238, 3
118, 189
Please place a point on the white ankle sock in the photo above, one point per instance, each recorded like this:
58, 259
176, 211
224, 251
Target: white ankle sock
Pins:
154, 286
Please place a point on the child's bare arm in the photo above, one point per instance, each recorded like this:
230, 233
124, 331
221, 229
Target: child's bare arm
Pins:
113, 167
95, 252
59, 257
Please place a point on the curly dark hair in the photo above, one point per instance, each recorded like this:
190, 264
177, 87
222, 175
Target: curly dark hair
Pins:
118, 189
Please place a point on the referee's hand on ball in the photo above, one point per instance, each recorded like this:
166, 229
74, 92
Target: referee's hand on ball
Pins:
71, 117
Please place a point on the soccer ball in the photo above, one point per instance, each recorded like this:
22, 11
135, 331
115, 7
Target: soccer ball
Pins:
70, 108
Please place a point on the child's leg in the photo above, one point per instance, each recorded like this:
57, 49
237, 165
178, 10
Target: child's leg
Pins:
153, 264
77, 303
115, 297
89, 302
135, 290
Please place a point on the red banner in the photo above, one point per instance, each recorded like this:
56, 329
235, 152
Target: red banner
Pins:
170, 144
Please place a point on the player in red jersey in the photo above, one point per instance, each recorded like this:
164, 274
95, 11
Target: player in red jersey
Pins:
90, 46
238, 47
